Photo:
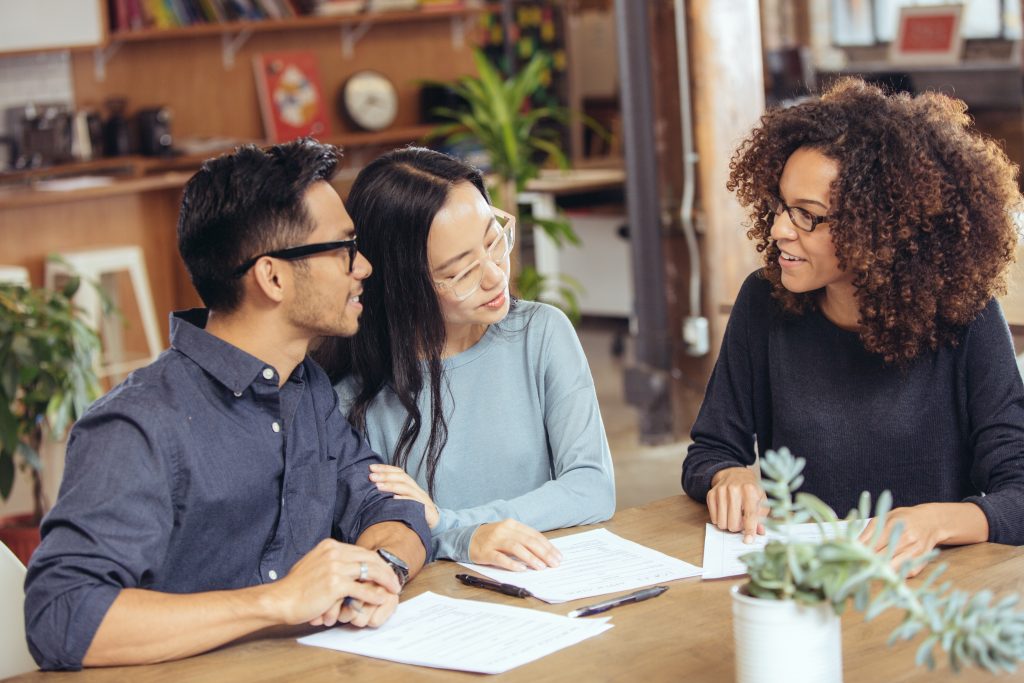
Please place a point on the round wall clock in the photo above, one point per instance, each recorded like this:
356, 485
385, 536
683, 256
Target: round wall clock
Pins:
368, 100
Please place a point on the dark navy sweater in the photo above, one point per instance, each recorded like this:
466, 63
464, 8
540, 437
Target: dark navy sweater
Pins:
948, 427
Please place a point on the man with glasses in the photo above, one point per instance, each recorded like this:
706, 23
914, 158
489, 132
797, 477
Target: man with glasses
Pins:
220, 491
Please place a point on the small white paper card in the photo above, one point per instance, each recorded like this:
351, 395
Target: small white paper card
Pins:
723, 549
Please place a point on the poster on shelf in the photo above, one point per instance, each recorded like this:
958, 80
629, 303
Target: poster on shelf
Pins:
291, 95
928, 36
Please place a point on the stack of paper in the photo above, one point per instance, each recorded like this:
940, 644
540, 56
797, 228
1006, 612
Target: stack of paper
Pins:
465, 635
594, 563
723, 549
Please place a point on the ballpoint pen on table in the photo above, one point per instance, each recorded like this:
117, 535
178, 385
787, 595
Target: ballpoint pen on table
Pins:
645, 594
506, 588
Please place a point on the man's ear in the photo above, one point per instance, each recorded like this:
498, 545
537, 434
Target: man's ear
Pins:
271, 278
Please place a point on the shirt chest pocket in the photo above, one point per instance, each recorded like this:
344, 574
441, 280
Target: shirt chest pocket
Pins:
309, 497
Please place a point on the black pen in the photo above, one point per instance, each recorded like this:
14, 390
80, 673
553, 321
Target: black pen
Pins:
506, 588
645, 594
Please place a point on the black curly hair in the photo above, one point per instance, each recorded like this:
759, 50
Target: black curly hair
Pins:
922, 210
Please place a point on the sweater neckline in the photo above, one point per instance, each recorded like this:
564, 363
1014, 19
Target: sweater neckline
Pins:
473, 352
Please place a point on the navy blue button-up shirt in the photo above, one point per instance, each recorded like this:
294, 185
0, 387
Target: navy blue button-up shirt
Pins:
197, 473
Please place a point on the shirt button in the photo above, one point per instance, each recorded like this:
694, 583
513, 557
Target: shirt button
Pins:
276, 427
272, 574
238, 394
268, 373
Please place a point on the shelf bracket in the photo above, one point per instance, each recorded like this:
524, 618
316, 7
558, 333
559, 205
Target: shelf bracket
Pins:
230, 45
460, 27
351, 35
101, 56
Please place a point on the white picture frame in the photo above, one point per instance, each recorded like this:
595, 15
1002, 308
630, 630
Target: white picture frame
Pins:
928, 35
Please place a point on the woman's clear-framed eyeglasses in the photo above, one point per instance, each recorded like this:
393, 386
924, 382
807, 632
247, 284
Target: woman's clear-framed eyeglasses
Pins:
801, 218
499, 240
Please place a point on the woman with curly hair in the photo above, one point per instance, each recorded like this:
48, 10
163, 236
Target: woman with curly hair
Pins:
870, 343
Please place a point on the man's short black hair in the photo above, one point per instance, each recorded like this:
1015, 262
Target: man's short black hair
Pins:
247, 203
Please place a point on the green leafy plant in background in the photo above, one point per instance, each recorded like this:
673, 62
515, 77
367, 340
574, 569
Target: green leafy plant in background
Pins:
970, 629
519, 141
533, 286
47, 376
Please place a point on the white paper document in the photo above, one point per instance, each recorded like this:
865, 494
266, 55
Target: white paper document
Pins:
594, 563
722, 549
465, 635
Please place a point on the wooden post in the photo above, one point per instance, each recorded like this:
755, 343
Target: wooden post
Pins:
728, 98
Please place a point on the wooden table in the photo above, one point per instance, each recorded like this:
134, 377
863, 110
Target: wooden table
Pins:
684, 635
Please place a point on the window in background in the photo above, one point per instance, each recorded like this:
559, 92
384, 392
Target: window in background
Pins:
867, 22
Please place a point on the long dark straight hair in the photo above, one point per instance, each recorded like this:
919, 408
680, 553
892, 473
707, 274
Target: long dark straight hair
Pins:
393, 203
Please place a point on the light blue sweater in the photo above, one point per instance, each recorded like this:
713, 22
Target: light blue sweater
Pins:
525, 438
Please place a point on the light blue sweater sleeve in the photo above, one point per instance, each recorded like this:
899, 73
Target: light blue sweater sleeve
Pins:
582, 487
525, 435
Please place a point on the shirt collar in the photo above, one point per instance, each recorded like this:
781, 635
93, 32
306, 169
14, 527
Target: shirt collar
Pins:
228, 364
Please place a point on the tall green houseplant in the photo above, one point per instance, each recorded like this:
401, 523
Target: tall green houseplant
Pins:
497, 116
47, 377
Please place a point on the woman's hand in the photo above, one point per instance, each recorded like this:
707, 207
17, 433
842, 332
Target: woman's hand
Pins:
512, 545
736, 502
927, 526
395, 480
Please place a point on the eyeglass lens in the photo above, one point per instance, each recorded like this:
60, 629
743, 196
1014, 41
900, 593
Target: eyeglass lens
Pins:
498, 247
799, 217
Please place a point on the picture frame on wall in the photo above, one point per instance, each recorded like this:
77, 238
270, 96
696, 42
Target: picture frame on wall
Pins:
928, 35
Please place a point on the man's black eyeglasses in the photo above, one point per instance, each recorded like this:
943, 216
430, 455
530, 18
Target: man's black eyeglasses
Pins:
295, 253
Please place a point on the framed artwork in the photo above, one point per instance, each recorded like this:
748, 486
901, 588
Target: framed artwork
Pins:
927, 35
290, 95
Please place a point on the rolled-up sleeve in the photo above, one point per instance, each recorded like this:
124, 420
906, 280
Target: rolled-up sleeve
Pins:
109, 529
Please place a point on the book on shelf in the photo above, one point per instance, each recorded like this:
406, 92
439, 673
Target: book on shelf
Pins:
329, 8
428, 5
131, 15
291, 95
391, 5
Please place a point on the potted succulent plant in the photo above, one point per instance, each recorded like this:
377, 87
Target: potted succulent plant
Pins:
47, 380
497, 116
786, 617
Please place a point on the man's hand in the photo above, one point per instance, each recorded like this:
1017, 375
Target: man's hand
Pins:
927, 526
512, 545
363, 614
391, 479
315, 589
736, 502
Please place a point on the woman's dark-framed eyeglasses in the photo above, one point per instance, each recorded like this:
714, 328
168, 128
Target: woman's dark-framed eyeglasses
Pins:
304, 251
801, 218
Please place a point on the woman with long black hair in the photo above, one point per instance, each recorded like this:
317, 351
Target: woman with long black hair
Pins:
484, 405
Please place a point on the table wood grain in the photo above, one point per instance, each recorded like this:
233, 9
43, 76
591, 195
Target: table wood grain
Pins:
683, 635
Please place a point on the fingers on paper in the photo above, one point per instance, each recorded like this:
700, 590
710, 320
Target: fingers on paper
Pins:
514, 546
737, 507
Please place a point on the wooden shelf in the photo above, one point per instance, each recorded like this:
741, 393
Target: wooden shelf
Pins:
21, 197
140, 166
305, 22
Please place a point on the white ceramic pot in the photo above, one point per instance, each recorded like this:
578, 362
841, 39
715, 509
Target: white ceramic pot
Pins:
782, 641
